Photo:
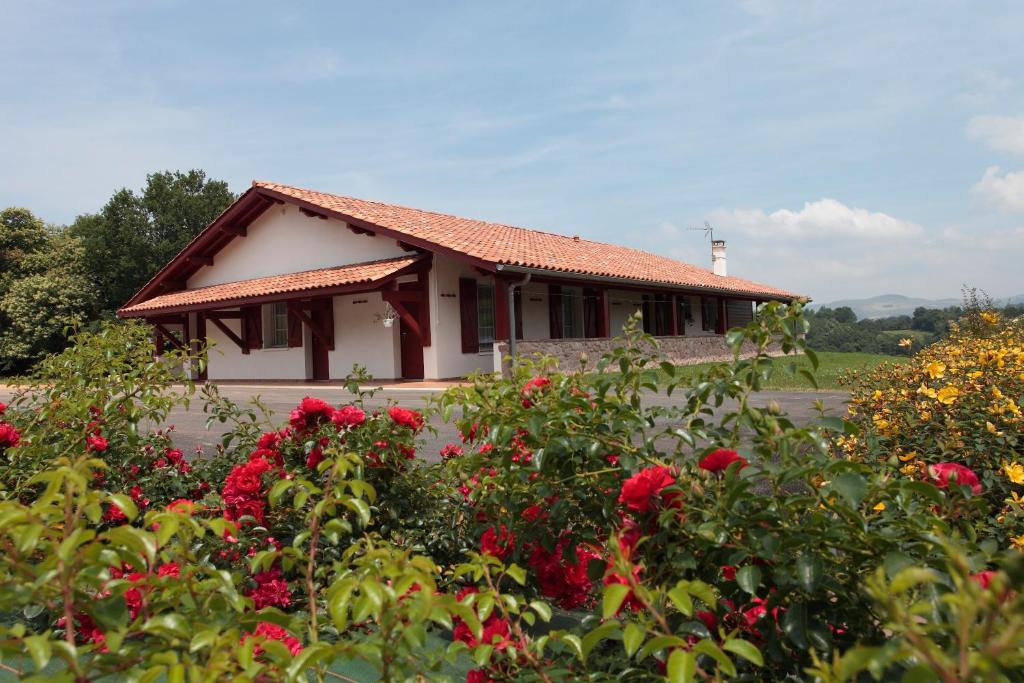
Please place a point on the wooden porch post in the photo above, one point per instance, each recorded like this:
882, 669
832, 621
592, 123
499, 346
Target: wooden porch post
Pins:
200, 341
674, 329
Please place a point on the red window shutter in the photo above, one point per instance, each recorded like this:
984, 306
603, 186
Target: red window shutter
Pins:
294, 326
253, 323
555, 310
468, 315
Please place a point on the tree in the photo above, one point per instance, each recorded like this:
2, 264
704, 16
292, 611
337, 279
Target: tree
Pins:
845, 314
134, 235
21, 234
48, 295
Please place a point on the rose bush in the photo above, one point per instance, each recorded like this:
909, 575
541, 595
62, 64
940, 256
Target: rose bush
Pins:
705, 538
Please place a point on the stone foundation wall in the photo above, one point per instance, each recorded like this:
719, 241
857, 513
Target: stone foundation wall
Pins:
567, 352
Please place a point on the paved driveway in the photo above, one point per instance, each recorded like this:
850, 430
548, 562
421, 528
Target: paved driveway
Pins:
191, 430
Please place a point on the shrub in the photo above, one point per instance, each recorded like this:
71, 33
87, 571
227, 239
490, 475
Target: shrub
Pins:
705, 538
957, 403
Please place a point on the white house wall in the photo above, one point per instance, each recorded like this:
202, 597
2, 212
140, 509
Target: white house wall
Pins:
361, 338
226, 360
444, 357
284, 240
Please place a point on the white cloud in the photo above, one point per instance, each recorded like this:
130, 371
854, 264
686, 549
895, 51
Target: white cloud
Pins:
1001, 133
1003, 191
825, 219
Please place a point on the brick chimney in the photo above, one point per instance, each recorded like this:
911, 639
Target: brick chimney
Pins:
718, 257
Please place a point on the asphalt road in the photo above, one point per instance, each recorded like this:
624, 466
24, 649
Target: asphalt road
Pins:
191, 431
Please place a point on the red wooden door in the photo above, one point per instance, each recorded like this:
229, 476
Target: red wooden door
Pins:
319, 349
412, 346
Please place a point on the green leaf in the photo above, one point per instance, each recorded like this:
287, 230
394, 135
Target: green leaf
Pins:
749, 578
808, 572
632, 638
517, 573
794, 625
708, 647
614, 596
682, 666
126, 504
278, 490
39, 650
542, 610
681, 599
851, 486
744, 649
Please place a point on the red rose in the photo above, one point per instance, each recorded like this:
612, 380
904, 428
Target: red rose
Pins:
311, 413
495, 633
3, 407
719, 460
478, 676
497, 543
268, 631
946, 473
114, 515
984, 578
314, 458
348, 417
182, 506
533, 387
729, 572
406, 417
450, 451
97, 444
640, 491
169, 569
9, 436
246, 508
247, 482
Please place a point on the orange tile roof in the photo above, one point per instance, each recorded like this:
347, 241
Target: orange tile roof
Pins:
509, 245
309, 281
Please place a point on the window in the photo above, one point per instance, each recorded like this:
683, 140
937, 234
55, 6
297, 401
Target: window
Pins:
275, 326
485, 316
684, 313
709, 314
571, 324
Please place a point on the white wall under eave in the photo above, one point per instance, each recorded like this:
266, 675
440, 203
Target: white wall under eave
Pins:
444, 358
536, 313
284, 240
226, 360
360, 338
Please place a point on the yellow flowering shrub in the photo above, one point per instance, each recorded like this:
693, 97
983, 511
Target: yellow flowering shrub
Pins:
957, 401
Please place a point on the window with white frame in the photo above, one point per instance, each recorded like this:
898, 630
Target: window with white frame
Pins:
275, 326
485, 316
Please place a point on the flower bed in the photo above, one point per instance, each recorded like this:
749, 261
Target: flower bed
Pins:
681, 552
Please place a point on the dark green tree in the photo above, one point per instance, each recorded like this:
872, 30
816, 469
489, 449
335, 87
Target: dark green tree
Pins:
134, 235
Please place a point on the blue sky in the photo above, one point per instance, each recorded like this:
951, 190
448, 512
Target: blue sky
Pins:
843, 149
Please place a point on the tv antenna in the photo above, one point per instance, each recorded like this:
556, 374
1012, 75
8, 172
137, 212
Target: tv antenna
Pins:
708, 231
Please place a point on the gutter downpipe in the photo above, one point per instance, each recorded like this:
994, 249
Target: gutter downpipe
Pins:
512, 315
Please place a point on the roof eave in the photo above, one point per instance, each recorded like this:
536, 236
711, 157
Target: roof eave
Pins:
634, 282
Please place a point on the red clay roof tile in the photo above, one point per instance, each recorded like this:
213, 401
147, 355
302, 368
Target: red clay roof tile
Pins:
308, 281
509, 245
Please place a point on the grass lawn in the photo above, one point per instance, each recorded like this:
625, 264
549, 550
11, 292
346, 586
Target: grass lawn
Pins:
830, 366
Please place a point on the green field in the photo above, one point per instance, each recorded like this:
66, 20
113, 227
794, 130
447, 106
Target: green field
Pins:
830, 366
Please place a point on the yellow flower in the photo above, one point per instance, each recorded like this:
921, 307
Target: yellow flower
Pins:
908, 457
935, 369
877, 395
909, 470
976, 374
990, 317
990, 427
1014, 472
906, 343
927, 391
879, 508
1018, 542
947, 394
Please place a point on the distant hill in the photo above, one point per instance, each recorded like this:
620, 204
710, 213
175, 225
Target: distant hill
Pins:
888, 305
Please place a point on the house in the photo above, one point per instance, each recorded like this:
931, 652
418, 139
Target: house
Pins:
292, 284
